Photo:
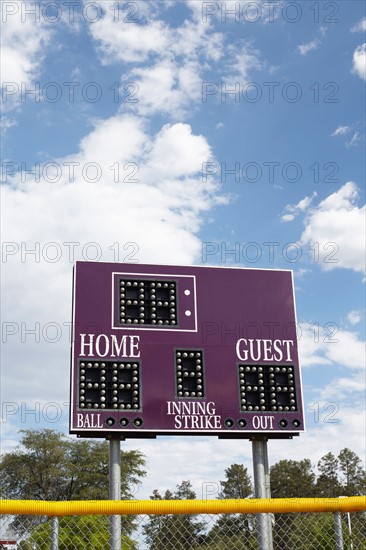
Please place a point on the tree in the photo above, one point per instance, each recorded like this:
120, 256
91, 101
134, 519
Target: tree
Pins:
49, 466
173, 532
341, 476
312, 531
353, 477
327, 483
236, 486
292, 478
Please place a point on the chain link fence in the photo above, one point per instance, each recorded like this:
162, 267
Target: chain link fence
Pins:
289, 531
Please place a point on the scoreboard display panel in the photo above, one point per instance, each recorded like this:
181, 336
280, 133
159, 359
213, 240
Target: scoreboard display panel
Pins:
160, 349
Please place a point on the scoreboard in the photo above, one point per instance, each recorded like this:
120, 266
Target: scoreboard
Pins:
161, 349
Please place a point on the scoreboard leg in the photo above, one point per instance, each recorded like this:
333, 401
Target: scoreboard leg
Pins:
115, 532
262, 490
338, 531
54, 533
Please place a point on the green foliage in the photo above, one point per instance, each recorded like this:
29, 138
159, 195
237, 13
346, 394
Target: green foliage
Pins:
338, 476
233, 542
171, 532
328, 484
49, 466
81, 532
317, 532
237, 483
341, 476
292, 478
353, 477
304, 532
236, 486
39, 470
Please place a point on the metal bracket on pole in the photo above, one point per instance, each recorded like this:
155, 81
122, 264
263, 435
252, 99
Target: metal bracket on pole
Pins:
115, 492
262, 490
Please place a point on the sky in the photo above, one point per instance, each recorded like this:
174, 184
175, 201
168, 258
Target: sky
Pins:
186, 133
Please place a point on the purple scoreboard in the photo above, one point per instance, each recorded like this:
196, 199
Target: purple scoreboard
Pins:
184, 350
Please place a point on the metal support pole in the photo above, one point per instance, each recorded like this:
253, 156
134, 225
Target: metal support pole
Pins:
338, 531
262, 490
350, 529
115, 492
54, 533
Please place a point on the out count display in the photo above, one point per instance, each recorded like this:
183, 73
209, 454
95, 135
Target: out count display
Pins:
184, 350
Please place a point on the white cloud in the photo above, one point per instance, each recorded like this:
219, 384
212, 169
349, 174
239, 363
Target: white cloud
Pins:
359, 61
22, 51
304, 49
338, 356
5, 124
337, 224
194, 38
287, 217
243, 60
360, 26
166, 87
311, 346
301, 273
132, 43
341, 130
304, 203
344, 348
176, 153
295, 209
154, 220
356, 138
342, 388
334, 429
354, 317
170, 63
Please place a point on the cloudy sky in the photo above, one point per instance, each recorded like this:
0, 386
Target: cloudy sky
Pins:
185, 132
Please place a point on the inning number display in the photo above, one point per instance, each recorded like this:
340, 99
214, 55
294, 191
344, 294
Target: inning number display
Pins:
184, 350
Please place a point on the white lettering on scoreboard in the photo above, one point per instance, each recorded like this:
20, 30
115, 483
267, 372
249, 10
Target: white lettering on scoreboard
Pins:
104, 345
191, 415
264, 422
261, 349
88, 420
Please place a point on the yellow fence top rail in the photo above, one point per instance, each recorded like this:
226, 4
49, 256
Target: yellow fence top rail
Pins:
159, 507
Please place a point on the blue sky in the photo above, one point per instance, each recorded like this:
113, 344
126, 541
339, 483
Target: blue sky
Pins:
185, 132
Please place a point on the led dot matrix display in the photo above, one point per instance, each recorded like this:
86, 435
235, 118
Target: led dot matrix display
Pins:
146, 302
189, 374
267, 388
109, 385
